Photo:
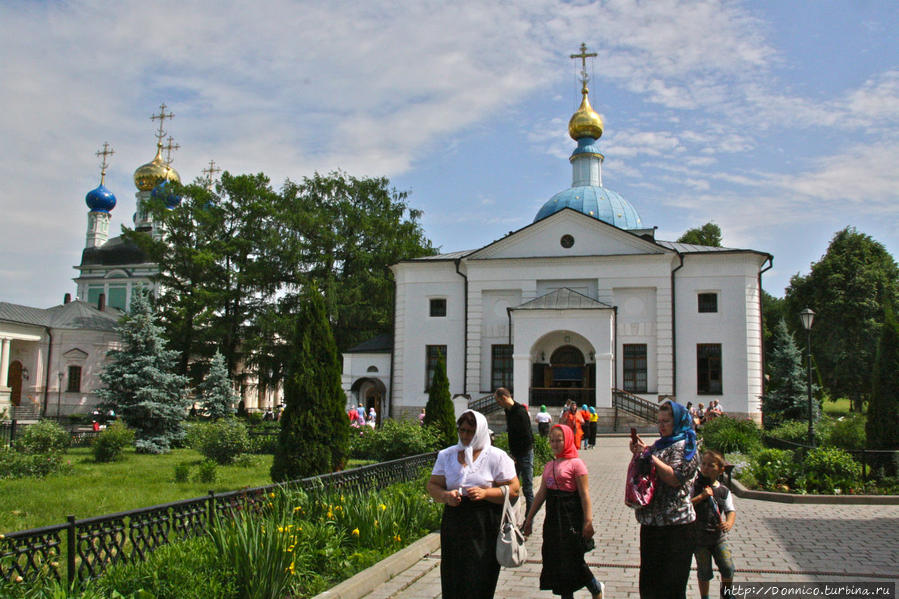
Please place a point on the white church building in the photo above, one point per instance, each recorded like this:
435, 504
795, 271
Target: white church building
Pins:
579, 303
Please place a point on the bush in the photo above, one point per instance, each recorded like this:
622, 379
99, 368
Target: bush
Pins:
44, 437
774, 469
207, 472
848, 432
182, 472
19, 465
542, 452
221, 441
395, 439
263, 443
112, 441
794, 431
729, 435
829, 470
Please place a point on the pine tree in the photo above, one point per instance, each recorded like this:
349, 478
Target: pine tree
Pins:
216, 392
314, 437
787, 394
882, 428
139, 380
439, 409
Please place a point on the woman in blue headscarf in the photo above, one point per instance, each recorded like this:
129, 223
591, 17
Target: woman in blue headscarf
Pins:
666, 531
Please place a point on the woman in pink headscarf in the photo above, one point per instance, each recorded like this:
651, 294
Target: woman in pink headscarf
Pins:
568, 523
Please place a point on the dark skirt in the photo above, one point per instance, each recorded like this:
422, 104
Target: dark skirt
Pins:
468, 566
564, 569
591, 433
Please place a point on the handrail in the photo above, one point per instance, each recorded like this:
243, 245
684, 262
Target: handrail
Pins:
485, 405
634, 405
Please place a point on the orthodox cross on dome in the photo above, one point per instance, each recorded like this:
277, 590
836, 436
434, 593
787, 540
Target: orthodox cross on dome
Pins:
210, 173
106, 151
161, 117
170, 150
584, 55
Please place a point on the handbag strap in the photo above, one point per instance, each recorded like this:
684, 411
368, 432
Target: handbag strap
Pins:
507, 507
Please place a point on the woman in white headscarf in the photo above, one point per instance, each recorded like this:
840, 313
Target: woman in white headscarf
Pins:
467, 478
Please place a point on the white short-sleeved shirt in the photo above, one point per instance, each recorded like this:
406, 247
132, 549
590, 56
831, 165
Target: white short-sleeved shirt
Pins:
493, 464
543, 417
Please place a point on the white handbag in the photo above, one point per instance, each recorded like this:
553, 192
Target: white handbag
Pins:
510, 549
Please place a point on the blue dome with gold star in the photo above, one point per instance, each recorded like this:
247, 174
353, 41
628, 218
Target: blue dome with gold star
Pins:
100, 199
164, 192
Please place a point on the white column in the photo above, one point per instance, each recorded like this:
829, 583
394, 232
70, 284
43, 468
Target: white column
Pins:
521, 376
4, 362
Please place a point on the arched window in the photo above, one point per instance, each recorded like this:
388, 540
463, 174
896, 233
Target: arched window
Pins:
372, 369
567, 355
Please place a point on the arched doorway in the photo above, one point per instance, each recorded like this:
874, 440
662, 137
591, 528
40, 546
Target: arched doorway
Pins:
370, 392
566, 375
15, 383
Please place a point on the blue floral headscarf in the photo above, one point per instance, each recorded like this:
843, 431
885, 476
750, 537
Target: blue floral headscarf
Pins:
683, 430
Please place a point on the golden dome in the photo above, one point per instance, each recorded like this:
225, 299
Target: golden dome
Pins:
149, 175
585, 122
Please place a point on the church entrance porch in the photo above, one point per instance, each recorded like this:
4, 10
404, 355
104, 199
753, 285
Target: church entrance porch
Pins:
566, 375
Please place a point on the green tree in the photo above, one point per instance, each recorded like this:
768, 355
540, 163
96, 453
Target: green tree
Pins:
882, 428
216, 391
708, 234
139, 382
314, 436
439, 410
786, 397
847, 288
772, 313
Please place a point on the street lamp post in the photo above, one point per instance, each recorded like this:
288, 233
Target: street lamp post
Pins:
58, 394
807, 316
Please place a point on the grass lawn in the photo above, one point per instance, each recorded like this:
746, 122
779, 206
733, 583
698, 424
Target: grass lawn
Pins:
93, 489
836, 407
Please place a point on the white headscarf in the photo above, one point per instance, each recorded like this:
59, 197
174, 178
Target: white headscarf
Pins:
480, 440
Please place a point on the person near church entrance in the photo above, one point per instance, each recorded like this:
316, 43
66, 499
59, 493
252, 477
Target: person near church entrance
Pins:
584, 413
521, 441
574, 421
592, 425
467, 478
544, 420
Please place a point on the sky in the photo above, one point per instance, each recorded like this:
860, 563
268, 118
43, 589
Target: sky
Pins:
776, 120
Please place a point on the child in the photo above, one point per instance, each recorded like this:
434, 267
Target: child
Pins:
715, 515
568, 524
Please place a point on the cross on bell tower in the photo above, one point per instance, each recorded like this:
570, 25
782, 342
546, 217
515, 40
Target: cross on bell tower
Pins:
105, 152
210, 173
584, 55
161, 117
170, 150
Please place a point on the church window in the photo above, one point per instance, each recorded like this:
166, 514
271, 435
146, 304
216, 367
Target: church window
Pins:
372, 369
708, 302
93, 294
708, 369
438, 307
501, 367
74, 385
117, 297
567, 241
635, 367
432, 353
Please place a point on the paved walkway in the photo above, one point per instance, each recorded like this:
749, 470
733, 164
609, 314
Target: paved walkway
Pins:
771, 542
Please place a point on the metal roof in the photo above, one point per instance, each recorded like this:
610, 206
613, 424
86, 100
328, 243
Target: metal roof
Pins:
74, 315
563, 299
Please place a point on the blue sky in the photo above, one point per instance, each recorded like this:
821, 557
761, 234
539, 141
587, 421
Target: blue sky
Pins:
776, 120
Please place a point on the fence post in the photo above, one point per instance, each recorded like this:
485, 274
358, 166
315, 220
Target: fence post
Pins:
865, 469
211, 511
12, 433
71, 572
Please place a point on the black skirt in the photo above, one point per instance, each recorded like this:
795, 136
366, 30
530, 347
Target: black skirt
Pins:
468, 566
564, 569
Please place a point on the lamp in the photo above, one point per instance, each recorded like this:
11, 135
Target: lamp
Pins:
59, 375
807, 316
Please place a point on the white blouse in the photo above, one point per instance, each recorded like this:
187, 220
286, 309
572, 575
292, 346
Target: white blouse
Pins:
493, 464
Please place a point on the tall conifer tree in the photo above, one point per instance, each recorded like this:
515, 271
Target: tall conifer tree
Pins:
140, 383
314, 437
882, 428
787, 395
216, 390
439, 409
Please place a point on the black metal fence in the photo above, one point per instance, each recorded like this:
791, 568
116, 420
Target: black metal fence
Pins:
92, 544
629, 403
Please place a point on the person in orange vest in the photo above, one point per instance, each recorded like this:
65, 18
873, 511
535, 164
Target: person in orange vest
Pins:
574, 421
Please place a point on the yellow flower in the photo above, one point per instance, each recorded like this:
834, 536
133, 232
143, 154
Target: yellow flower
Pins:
383, 507
397, 538
355, 532
341, 497
272, 494
298, 509
330, 514
19, 579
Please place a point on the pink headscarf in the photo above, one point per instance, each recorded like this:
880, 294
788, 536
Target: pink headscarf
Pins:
569, 450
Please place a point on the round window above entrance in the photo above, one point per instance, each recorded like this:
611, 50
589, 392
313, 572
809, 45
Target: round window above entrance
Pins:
567, 241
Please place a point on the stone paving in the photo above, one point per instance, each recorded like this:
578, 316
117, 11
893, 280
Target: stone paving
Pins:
771, 542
